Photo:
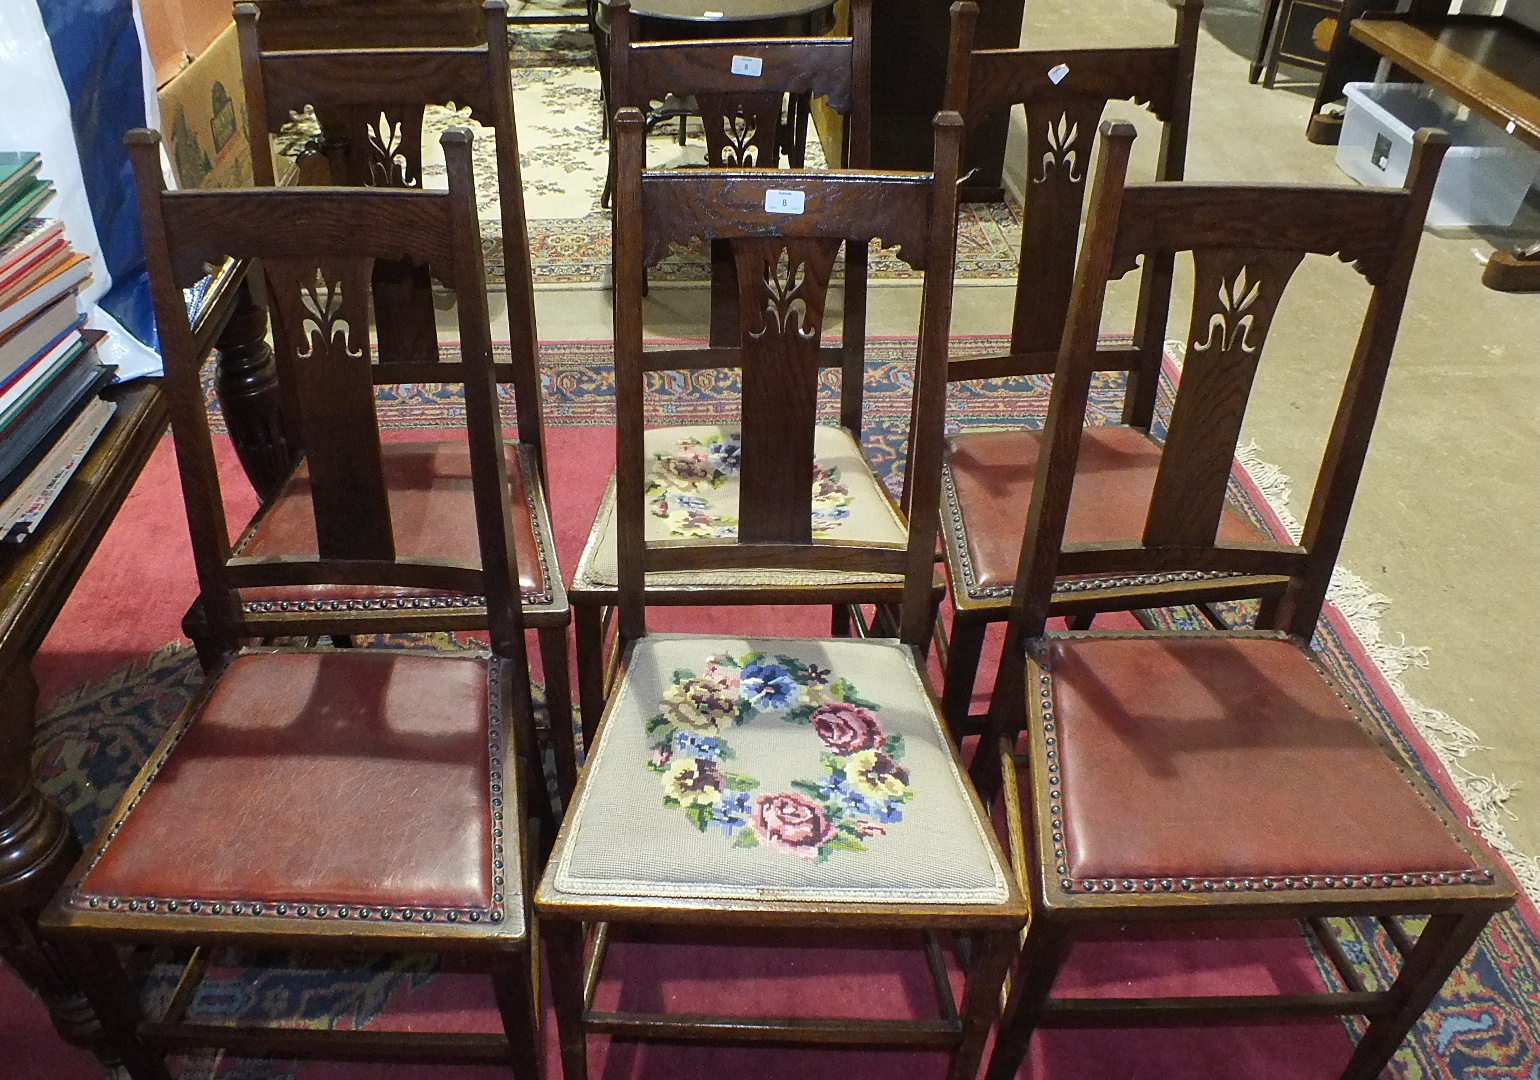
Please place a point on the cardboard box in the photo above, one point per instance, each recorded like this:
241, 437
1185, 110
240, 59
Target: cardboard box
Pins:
204, 122
176, 31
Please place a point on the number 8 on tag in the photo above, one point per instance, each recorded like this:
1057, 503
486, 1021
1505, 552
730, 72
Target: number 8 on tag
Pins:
784, 202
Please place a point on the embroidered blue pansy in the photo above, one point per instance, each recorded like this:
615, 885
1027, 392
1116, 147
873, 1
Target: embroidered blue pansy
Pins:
767, 686
689, 744
725, 455
732, 813
866, 785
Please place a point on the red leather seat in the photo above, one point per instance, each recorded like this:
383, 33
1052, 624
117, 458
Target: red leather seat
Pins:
349, 785
1202, 762
991, 489
432, 512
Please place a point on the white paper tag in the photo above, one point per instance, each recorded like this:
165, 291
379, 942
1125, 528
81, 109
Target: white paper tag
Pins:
1513, 126
748, 65
783, 202
1057, 72
711, 14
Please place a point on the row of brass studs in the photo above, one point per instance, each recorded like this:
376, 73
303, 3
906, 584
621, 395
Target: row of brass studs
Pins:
1273, 884
390, 603
315, 911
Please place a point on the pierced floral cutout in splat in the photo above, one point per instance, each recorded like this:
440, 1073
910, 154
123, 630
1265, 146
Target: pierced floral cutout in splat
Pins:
322, 301
739, 149
1061, 150
683, 488
387, 164
786, 306
862, 791
1232, 323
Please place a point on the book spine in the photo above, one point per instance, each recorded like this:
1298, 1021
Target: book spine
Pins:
21, 513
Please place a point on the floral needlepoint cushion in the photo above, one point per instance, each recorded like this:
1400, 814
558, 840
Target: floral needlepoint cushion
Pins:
692, 493
776, 769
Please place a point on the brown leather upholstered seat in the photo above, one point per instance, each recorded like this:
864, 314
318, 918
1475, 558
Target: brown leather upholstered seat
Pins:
988, 487
1228, 762
432, 512
349, 785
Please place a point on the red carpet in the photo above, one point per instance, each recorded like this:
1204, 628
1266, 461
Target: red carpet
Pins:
130, 602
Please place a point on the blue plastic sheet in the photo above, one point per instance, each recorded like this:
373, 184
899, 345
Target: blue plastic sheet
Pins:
97, 49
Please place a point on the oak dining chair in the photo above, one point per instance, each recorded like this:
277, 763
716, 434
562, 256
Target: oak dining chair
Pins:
749, 784
327, 800
1208, 776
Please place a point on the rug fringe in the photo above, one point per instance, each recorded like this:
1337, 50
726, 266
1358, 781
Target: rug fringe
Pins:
1485, 795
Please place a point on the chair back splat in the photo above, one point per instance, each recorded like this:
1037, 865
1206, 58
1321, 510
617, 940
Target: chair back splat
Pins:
1246, 242
369, 104
742, 117
301, 230
1064, 93
784, 262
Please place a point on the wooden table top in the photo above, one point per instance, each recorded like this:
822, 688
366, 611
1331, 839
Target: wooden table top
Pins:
726, 10
1490, 63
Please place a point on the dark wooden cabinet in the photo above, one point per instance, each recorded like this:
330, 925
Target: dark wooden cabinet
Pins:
909, 46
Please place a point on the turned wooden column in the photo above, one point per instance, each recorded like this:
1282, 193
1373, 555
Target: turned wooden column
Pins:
37, 849
247, 386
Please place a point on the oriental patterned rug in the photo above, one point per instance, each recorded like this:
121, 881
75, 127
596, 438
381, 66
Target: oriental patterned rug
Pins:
563, 157
1483, 1026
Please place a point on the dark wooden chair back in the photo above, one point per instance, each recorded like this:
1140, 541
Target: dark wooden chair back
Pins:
741, 113
1246, 242
370, 24
1064, 92
784, 262
370, 104
742, 118
329, 239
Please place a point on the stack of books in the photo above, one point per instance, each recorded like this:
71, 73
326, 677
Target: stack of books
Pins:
51, 411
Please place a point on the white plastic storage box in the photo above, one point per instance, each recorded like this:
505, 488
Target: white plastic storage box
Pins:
1485, 173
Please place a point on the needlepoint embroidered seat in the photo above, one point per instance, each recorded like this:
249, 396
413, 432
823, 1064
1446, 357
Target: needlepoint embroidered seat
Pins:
1204, 763
776, 769
389, 765
987, 481
692, 493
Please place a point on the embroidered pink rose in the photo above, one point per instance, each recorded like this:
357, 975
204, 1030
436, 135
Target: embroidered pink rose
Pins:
791, 823
847, 729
